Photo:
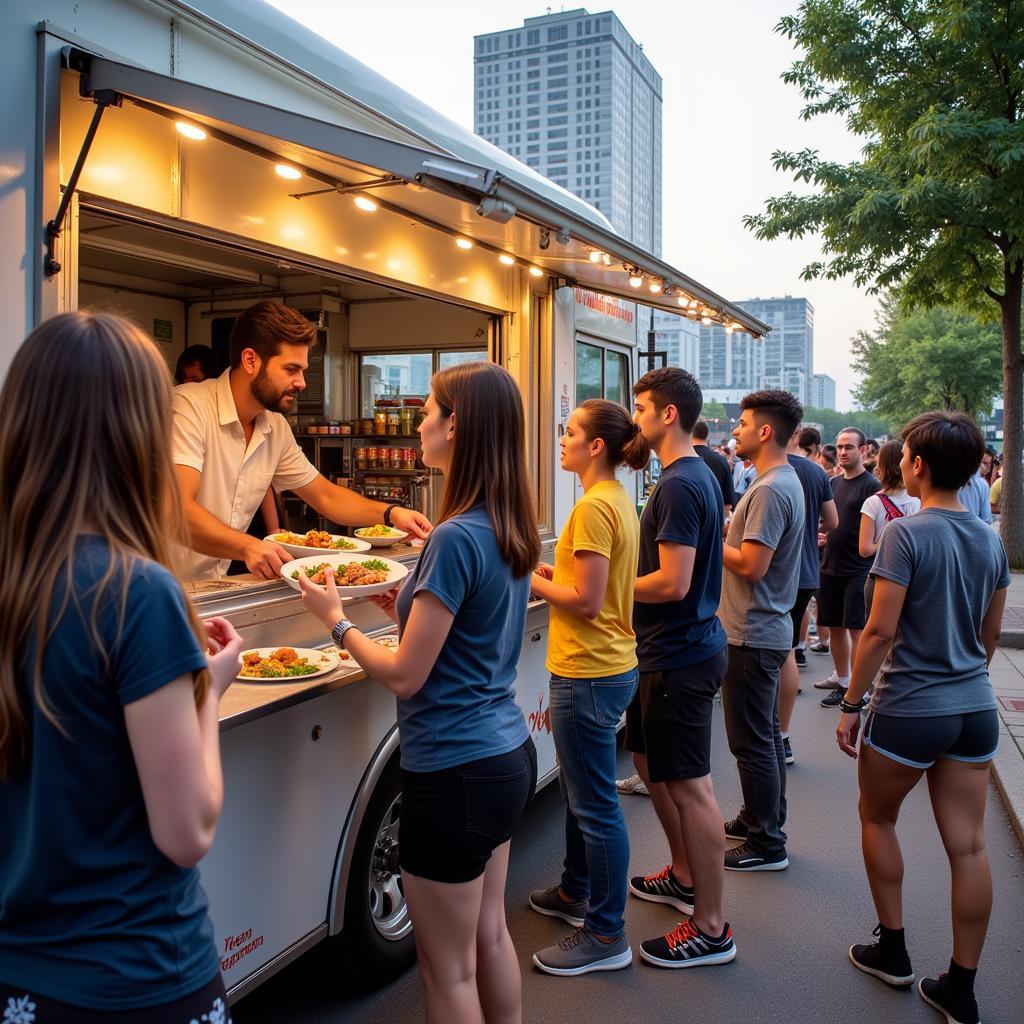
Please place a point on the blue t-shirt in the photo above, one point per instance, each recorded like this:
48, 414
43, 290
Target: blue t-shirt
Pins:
817, 490
685, 508
466, 709
91, 912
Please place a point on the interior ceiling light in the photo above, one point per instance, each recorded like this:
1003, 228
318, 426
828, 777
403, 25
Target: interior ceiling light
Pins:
365, 203
463, 243
190, 131
536, 272
509, 261
288, 172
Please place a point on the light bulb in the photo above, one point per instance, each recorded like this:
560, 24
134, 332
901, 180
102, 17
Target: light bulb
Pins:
682, 300
536, 272
595, 257
635, 281
190, 131
365, 203
506, 259
463, 243
288, 172
655, 287
705, 320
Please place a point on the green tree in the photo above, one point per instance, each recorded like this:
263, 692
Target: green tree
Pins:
713, 411
934, 209
832, 423
928, 359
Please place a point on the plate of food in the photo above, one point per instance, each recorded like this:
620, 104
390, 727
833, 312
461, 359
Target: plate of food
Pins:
300, 544
354, 575
380, 536
286, 664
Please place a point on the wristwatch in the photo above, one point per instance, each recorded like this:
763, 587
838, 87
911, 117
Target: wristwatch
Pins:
387, 514
339, 631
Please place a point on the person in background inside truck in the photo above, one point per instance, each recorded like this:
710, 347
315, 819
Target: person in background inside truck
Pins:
231, 442
110, 778
469, 766
592, 661
196, 364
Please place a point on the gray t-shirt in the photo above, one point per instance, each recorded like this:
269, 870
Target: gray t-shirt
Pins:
770, 512
951, 564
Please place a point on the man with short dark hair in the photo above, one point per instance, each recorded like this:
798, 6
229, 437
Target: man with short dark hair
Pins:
717, 463
809, 442
871, 449
759, 587
231, 442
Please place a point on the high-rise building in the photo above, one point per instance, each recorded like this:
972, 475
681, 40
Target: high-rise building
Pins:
823, 392
674, 335
573, 96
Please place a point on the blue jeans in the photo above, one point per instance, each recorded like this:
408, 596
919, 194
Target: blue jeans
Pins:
584, 714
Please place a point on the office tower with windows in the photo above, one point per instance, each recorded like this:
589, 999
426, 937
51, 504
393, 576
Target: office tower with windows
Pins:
573, 96
823, 392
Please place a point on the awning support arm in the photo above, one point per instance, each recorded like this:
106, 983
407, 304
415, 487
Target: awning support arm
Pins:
51, 265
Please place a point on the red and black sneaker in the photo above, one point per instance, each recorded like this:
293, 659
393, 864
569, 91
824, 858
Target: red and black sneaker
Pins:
663, 888
688, 946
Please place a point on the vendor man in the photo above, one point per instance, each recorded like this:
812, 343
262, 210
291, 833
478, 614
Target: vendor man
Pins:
231, 442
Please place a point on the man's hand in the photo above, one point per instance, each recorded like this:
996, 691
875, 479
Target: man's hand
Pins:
264, 558
411, 522
822, 537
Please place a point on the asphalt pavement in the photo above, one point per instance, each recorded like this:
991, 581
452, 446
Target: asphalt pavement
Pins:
792, 928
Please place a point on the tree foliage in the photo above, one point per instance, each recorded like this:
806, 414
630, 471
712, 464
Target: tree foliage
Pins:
933, 209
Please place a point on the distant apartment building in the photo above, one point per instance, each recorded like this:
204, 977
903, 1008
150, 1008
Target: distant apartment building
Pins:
823, 391
573, 96
677, 338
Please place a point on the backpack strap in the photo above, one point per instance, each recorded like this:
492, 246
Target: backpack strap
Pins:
891, 508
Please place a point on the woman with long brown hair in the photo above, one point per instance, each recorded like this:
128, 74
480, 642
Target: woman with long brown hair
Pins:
468, 764
890, 502
110, 782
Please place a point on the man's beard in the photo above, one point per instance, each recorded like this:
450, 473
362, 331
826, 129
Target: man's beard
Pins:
268, 396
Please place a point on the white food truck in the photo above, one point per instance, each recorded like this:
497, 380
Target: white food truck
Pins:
177, 161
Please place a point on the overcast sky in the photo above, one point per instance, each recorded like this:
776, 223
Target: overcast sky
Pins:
725, 109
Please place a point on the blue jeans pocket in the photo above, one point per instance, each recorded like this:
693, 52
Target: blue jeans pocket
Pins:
611, 699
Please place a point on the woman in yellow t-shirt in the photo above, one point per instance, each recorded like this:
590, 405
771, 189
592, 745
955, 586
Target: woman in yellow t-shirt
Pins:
593, 666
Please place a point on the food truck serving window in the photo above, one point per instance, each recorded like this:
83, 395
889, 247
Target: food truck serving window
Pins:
601, 373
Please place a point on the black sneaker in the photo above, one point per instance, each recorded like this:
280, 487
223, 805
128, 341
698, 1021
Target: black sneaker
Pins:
834, 699
743, 858
956, 1009
787, 748
893, 968
663, 888
801, 658
688, 946
735, 829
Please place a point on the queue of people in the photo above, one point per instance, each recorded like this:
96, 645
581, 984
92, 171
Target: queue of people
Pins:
109, 685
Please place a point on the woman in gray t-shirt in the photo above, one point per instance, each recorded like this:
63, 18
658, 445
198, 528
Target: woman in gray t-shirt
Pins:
940, 588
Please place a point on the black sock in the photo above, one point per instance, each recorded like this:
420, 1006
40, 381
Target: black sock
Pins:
960, 980
715, 939
891, 941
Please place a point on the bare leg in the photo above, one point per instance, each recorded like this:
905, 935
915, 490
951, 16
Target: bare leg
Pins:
789, 683
839, 645
704, 838
498, 978
958, 791
884, 784
445, 917
668, 815
824, 634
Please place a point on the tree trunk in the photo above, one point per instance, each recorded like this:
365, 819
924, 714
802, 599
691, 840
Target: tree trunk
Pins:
1012, 500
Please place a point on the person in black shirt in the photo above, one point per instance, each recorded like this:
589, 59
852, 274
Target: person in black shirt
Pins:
844, 572
717, 463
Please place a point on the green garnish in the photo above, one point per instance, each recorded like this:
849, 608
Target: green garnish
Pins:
300, 669
375, 563
342, 543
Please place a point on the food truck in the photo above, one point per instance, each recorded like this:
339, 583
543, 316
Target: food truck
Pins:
178, 161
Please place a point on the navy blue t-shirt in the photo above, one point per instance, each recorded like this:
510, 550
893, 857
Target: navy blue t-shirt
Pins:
817, 490
685, 508
91, 912
466, 709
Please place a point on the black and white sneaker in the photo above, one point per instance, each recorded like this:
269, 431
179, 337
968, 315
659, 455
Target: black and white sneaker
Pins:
743, 858
835, 698
956, 1009
663, 888
801, 658
735, 829
892, 968
787, 748
688, 946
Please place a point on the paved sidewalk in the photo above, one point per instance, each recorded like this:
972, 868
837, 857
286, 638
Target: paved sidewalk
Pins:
1007, 673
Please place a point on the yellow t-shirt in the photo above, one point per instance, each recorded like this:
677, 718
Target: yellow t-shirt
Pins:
605, 521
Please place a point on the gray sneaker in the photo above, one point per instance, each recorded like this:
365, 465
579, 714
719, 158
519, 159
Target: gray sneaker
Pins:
550, 904
582, 952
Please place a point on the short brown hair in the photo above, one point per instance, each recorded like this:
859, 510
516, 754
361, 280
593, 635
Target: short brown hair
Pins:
672, 386
700, 430
779, 409
264, 327
950, 443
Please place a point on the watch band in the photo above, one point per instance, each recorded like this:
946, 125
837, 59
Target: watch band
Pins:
852, 709
339, 631
387, 514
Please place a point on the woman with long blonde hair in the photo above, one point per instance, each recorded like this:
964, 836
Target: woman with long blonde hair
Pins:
110, 782
468, 763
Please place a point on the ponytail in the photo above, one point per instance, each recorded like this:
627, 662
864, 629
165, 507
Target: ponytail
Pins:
624, 444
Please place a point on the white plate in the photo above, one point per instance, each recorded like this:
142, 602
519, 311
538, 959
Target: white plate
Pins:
396, 573
381, 542
329, 661
300, 550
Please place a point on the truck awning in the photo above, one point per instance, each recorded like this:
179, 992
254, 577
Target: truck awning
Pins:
435, 187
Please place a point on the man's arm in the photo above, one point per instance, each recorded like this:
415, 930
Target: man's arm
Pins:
341, 505
749, 561
829, 515
671, 580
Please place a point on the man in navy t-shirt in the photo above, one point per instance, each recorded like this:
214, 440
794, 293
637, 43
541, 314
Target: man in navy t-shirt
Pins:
681, 654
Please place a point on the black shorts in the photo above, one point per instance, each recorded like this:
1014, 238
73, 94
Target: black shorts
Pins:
803, 599
454, 819
210, 1003
841, 602
920, 742
669, 719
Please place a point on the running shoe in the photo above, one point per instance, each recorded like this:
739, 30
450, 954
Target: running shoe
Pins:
788, 748
892, 968
663, 888
634, 784
735, 829
835, 698
956, 1009
550, 904
583, 952
744, 858
818, 647
828, 684
801, 658
687, 946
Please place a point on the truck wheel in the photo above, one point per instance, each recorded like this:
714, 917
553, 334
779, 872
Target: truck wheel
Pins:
378, 930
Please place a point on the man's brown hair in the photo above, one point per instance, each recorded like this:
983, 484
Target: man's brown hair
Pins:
950, 443
264, 327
